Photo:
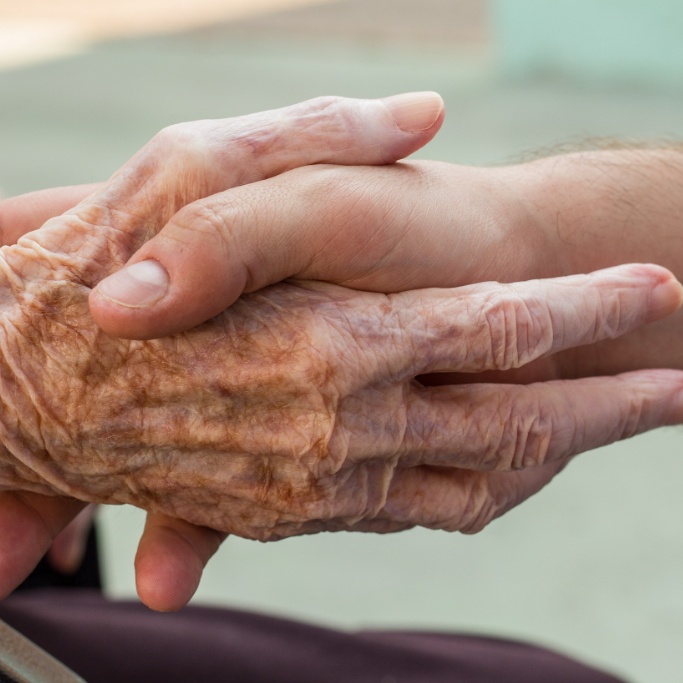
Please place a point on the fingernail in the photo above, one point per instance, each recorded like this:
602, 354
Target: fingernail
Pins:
415, 111
136, 286
665, 299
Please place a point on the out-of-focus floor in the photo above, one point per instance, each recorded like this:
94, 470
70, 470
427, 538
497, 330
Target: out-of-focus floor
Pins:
594, 564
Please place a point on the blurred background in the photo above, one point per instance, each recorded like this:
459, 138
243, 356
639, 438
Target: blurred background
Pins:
593, 565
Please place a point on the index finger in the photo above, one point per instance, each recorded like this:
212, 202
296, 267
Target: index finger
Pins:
502, 326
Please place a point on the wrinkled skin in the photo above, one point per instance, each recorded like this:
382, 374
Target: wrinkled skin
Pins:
259, 435
202, 157
296, 410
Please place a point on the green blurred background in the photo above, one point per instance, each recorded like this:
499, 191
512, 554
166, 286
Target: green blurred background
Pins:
594, 564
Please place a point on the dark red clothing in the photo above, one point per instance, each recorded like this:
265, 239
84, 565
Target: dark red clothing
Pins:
113, 642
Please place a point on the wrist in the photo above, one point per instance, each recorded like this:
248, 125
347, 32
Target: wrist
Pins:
607, 207
525, 246
603, 208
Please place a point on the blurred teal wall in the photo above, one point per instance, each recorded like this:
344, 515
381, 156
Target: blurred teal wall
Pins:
623, 41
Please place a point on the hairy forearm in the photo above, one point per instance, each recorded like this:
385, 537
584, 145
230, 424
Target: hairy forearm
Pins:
606, 207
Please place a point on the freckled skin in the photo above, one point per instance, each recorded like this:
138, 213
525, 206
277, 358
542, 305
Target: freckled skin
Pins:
228, 425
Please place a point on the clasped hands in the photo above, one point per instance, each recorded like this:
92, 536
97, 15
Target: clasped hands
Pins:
262, 326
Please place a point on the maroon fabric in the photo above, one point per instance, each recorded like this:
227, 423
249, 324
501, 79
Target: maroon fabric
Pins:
108, 641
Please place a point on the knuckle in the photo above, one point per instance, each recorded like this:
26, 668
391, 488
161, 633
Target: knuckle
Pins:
176, 164
333, 112
610, 320
180, 146
478, 508
525, 430
632, 419
516, 330
327, 104
172, 137
333, 122
203, 221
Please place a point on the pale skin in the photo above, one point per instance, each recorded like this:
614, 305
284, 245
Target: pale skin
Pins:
364, 228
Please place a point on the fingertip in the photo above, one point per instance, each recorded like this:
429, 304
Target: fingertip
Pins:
665, 291
117, 321
138, 285
654, 290
69, 546
27, 212
415, 112
123, 304
66, 555
152, 322
167, 572
170, 561
665, 299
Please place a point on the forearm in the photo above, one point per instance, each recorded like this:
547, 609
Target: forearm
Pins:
607, 207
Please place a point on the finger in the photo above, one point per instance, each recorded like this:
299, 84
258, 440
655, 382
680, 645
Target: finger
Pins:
502, 326
27, 212
458, 500
234, 152
506, 427
433, 497
67, 550
29, 523
170, 560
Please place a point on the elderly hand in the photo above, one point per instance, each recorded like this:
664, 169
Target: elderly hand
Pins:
364, 242
210, 156
297, 410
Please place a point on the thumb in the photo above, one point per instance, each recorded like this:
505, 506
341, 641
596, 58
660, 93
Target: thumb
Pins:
329, 131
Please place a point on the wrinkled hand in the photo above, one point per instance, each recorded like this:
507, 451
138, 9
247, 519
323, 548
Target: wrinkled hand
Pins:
296, 411
212, 156
321, 245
